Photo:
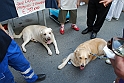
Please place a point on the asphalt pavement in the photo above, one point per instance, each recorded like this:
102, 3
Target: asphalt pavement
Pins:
95, 72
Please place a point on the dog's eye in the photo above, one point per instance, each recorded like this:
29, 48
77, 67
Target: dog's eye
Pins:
49, 32
45, 34
85, 58
80, 57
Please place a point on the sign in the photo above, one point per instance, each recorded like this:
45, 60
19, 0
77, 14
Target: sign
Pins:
25, 7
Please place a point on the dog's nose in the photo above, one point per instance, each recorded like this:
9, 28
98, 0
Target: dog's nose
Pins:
82, 65
48, 38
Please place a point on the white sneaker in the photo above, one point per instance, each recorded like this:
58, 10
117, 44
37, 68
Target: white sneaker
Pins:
115, 18
108, 61
113, 81
108, 19
82, 3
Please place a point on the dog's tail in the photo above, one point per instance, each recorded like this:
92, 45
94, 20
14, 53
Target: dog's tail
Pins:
17, 36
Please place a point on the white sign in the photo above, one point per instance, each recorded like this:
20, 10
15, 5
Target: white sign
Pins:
25, 7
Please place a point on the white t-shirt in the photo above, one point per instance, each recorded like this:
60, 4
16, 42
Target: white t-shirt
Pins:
68, 4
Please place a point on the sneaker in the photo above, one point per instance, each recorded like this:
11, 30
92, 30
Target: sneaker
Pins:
108, 19
115, 18
107, 61
113, 81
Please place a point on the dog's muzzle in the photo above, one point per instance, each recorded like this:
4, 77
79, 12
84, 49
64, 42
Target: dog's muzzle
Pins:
82, 67
48, 40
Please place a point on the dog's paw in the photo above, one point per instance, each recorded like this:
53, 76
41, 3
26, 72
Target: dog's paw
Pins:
59, 67
23, 49
57, 51
50, 52
108, 61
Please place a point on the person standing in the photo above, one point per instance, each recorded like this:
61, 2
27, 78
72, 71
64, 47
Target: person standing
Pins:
115, 10
11, 54
115, 52
96, 14
65, 7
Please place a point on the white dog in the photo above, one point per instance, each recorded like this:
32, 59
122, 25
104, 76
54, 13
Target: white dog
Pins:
38, 33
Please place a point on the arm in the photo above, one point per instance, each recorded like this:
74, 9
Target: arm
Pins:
105, 2
118, 65
58, 3
78, 3
1, 27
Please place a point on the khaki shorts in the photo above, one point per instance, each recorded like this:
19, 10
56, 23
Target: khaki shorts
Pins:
63, 13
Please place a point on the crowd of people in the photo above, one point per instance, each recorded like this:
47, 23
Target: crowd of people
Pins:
10, 53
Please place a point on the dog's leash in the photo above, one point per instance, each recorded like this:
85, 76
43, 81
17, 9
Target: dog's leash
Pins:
100, 57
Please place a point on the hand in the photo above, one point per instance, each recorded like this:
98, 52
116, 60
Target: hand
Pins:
58, 5
118, 66
78, 5
105, 2
1, 27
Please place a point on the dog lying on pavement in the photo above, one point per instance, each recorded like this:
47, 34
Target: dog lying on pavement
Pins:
83, 53
40, 34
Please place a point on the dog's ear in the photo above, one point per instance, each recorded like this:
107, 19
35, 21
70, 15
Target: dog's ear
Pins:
41, 31
75, 59
50, 29
76, 53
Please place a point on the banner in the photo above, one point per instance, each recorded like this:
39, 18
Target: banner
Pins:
25, 7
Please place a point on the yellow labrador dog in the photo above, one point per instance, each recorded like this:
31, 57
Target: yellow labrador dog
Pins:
38, 33
83, 53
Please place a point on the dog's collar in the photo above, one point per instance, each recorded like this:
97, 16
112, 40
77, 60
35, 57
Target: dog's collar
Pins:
100, 57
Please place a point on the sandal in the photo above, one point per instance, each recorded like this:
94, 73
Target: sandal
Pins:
75, 27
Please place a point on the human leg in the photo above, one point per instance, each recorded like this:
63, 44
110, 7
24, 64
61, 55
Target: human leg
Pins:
62, 19
8, 77
111, 10
17, 60
118, 9
73, 19
91, 15
5, 74
101, 12
101, 15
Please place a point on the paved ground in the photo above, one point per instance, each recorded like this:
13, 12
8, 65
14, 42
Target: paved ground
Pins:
95, 72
